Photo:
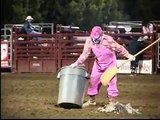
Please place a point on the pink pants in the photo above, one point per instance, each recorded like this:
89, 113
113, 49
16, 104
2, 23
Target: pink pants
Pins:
98, 69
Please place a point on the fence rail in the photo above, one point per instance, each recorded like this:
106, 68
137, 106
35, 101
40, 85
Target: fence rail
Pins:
60, 49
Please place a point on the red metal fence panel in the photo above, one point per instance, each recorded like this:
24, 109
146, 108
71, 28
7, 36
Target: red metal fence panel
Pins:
60, 49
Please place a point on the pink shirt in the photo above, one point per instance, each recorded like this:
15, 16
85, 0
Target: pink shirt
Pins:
108, 42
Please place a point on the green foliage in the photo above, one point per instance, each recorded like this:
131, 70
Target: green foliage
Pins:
83, 13
141, 9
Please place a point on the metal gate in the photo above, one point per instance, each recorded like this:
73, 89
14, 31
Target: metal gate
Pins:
61, 49
6, 49
35, 56
158, 60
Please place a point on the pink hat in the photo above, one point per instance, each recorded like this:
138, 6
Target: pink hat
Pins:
96, 32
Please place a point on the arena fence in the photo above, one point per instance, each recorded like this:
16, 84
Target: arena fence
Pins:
54, 51
6, 48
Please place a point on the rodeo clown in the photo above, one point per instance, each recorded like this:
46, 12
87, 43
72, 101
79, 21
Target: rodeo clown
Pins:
104, 47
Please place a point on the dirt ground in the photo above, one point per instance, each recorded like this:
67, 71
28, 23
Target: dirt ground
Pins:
34, 95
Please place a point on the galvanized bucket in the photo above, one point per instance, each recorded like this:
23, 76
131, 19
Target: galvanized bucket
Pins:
72, 86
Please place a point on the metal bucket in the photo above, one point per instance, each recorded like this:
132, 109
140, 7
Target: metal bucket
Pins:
72, 86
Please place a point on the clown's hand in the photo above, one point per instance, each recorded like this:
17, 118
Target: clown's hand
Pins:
131, 57
73, 65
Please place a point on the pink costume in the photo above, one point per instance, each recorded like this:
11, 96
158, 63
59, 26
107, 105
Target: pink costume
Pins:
105, 58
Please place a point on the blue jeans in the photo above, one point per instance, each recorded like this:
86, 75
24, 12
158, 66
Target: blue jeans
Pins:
35, 32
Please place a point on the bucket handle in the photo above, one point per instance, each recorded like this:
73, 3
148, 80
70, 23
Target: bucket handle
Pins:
58, 75
86, 75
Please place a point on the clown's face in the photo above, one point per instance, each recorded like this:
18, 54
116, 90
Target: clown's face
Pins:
97, 40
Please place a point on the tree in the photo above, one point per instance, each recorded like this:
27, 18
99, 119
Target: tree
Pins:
15, 11
83, 13
6, 12
141, 9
